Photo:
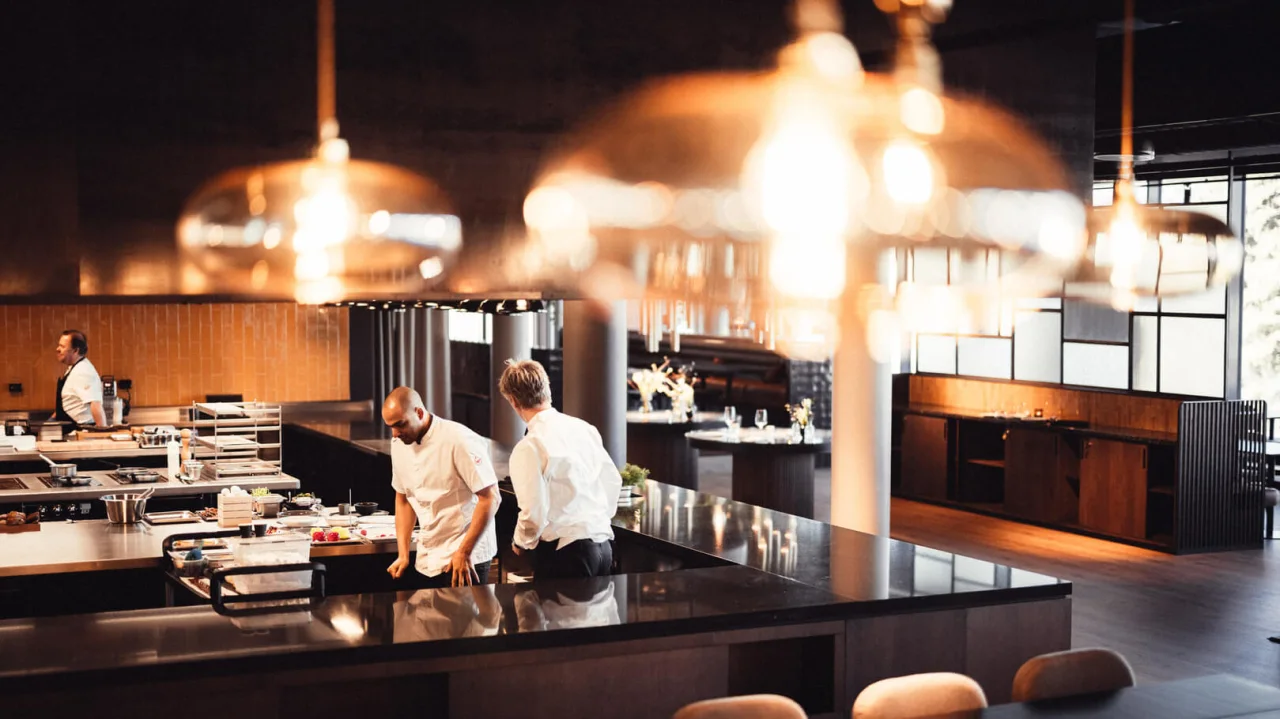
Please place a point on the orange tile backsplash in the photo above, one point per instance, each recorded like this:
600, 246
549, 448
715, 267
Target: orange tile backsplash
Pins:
1110, 409
178, 353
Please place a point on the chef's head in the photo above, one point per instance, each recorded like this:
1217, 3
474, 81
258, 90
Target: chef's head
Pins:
72, 346
404, 414
524, 383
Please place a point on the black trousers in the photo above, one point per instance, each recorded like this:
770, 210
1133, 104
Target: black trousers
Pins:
445, 578
583, 558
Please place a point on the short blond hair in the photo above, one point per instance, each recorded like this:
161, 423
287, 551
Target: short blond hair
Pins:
525, 383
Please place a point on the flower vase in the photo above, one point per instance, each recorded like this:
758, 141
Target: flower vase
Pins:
647, 400
796, 432
810, 435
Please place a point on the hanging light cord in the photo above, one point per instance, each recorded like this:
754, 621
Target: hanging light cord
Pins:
814, 16
326, 92
1126, 99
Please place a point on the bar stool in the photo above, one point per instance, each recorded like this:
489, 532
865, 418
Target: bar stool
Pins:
919, 695
753, 706
1076, 671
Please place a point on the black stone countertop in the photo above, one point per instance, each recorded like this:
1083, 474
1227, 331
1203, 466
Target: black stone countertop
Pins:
1128, 434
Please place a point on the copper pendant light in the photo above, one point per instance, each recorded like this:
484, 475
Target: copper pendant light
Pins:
322, 229
1138, 251
747, 190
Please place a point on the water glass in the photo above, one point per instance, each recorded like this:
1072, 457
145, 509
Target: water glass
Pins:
730, 417
762, 418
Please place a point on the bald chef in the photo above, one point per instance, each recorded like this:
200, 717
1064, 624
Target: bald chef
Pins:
79, 397
443, 478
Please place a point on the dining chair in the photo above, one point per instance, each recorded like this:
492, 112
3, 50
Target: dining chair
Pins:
1076, 671
919, 695
753, 706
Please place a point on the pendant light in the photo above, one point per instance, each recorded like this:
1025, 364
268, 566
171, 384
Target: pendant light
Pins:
746, 190
1138, 251
322, 229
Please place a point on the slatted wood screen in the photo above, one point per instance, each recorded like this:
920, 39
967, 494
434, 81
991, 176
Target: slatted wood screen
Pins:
1221, 475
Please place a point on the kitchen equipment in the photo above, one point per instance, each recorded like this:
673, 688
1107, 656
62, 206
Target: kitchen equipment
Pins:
283, 549
64, 473
346, 508
179, 517
125, 508
136, 475
365, 509
268, 505
297, 521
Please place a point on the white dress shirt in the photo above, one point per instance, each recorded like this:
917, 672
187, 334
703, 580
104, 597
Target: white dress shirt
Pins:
441, 475
83, 387
565, 481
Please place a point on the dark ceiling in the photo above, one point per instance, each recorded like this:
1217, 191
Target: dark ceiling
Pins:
111, 113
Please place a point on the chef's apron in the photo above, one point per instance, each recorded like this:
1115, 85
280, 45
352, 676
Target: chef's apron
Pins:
59, 412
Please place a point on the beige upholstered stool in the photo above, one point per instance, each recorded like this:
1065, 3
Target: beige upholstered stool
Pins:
755, 706
1077, 671
919, 695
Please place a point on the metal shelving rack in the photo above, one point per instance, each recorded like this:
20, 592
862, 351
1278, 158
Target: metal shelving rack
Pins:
237, 439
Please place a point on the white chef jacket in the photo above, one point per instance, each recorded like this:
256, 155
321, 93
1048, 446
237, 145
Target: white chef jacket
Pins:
83, 386
565, 481
441, 475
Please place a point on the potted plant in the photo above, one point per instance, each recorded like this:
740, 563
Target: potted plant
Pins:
633, 478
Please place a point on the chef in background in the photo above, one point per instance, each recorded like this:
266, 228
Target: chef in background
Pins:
79, 397
566, 483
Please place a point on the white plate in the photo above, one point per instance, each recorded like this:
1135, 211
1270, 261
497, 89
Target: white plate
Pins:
377, 520
342, 520
298, 521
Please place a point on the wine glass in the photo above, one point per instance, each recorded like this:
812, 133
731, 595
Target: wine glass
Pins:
730, 417
762, 418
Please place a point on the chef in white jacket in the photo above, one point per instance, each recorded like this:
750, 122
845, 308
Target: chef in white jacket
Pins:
566, 483
79, 397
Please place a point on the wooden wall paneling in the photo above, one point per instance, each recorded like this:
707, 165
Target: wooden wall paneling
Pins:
924, 457
1113, 487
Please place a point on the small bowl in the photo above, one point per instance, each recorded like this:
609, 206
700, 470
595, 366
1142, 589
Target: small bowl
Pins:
364, 509
342, 520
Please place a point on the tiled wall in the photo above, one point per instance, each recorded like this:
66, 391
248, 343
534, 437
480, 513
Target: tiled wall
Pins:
179, 353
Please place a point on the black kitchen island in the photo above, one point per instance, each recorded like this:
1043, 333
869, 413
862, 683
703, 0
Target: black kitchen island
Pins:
755, 600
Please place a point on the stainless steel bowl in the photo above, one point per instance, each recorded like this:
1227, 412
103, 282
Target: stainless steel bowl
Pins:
125, 508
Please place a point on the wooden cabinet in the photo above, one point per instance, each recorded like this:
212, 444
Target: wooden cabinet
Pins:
1113, 487
1036, 471
924, 457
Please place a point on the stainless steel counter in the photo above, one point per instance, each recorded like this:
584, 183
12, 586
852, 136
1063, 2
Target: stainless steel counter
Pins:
35, 491
97, 545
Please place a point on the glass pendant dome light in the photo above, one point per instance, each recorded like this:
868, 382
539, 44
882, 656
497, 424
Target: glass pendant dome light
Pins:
1138, 251
747, 189
322, 229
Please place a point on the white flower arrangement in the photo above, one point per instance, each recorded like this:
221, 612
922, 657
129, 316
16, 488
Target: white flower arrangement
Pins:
801, 414
652, 380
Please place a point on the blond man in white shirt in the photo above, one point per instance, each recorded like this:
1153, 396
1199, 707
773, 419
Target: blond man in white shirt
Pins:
444, 481
565, 482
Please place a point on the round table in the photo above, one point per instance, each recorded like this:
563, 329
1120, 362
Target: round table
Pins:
768, 470
657, 443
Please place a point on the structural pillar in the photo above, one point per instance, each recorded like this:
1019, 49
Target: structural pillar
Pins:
437, 385
595, 370
862, 390
512, 339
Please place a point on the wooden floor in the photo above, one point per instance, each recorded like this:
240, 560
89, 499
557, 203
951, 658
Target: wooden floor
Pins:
1172, 617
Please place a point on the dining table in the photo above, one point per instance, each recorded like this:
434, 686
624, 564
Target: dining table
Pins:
771, 467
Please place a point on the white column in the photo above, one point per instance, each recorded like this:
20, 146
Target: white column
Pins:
439, 368
595, 370
512, 339
860, 407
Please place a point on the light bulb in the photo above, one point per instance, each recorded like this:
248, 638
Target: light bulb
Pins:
1124, 242
908, 173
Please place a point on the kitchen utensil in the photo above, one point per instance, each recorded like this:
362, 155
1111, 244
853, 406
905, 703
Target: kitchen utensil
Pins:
259, 529
365, 509
268, 505
299, 520
182, 516
125, 508
346, 508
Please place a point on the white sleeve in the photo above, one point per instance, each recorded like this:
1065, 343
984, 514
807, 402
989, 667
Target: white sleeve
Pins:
531, 493
473, 465
86, 385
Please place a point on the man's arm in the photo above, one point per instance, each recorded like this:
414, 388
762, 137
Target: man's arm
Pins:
486, 506
99, 417
531, 494
405, 519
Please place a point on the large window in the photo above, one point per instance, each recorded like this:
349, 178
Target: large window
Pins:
1260, 351
1176, 345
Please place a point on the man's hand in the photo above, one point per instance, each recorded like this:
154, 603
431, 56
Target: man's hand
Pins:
517, 549
397, 567
463, 573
